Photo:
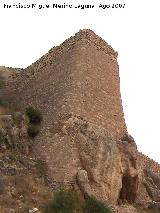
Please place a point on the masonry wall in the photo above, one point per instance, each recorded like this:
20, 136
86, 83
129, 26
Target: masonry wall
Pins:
81, 77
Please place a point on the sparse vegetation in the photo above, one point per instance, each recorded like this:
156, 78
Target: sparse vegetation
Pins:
35, 118
94, 206
68, 201
33, 130
26, 185
34, 115
65, 201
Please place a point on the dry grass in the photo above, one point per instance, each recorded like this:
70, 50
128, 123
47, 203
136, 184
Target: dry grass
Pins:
25, 189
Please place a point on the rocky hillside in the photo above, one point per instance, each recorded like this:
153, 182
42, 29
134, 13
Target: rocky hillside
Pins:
83, 143
23, 185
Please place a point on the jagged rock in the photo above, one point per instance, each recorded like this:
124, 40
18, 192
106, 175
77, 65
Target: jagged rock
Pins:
100, 157
83, 183
150, 174
108, 162
6, 121
12, 191
128, 138
19, 118
34, 210
2, 164
13, 133
8, 137
152, 184
5, 140
129, 157
8, 73
130, 179
82, 150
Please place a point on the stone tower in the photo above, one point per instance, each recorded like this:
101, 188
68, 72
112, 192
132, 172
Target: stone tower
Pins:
76, 87
81, 77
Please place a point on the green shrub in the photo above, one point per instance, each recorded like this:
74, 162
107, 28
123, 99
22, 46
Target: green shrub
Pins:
33, 130
64, 202
34, 115
94, 206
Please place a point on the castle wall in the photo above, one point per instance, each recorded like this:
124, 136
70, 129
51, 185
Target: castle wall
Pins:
81, 77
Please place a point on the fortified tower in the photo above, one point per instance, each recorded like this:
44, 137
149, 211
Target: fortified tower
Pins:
76, 87
81, 77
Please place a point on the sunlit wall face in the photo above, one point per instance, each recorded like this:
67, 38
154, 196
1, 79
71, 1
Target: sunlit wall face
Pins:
27, 34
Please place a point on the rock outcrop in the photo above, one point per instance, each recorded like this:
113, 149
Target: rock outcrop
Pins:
152, 184
13, 131
9, 73
79, 152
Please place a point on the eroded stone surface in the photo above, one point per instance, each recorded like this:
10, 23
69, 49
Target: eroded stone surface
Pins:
13, 131
79, 152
